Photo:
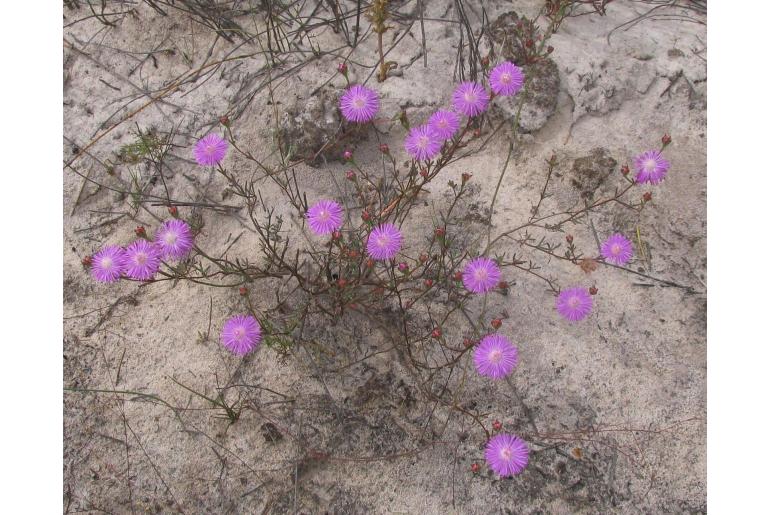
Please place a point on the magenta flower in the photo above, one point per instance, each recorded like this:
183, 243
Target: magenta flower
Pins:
423, 143
210, 150
507, 455
481, 275
495, 356
142, 260
651, 167
445, 123
107, 264
384, 242
359, 104
574, 304
325, 217
470, 99
241, 334
506, 79
175, 239
617, 249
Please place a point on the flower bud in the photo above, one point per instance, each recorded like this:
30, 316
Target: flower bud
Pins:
466, 177
365, 216
342, 68
458, 276
140, 231
436, 333
475, 468
467, 342
624, 169
593, 290
424, 173
173, 211
384, 148
403, 267
224, 120
369, 263
666, 139
496, 323
647, 196
569, 238
440, 232
497, 425
428, 283
347, 155
341, 283
336, 235
485, 61
350, 175
549, 49
423, 258
87, 261
243, 291
503, 285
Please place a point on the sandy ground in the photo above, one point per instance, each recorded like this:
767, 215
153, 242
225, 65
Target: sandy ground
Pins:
628, 384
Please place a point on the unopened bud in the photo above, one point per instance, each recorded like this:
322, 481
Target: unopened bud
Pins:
476, 133
467, 342
503, 285
365, 216
497, 425
647, 196
384, 148
342, 68
529, 43
87, 261
569, 238
428, 283
485, 61
347, 155
458, 276
369, 263
466, 177
496, 323
424, 173
341, 283
475, 468
624, 169
140, 231
593, 290
436, 333
440, 232
350, 175
403, 267
336, 235
423, 258
666, 139
224, 120
173, 211
549, 49
243, 291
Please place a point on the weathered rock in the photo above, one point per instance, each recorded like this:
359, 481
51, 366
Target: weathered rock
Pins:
313, 130
589, 172
543, 77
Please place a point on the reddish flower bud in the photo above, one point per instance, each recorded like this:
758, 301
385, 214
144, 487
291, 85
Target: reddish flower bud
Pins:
466, 177
336, 235
440, 232
666, 139
497, 425
350, 175
569, 238
549, 49
224, 120
496, 323
424, 173
436, 333
458, 276
475, 468
173, 211
428, 283
384, 148
467, 342
341, 283
369, 263
403, 267
624, 169
347, 155
485, 61
529, 43
423, 258
365, 216
243, 291
87, 261
593, 290
342, 68
503, 285
140, 231
353, 254
476, 133
647, 196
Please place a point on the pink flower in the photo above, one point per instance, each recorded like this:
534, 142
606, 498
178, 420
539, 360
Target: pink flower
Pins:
651, 167
495, 356
481, 275
506, 79
507, 455
241, 334
107, 264
384, 242
617, 249
359, 104
423, 143
142, 260
574, 304
210, 150
325, 217
470, 99
175, 239
445, 123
